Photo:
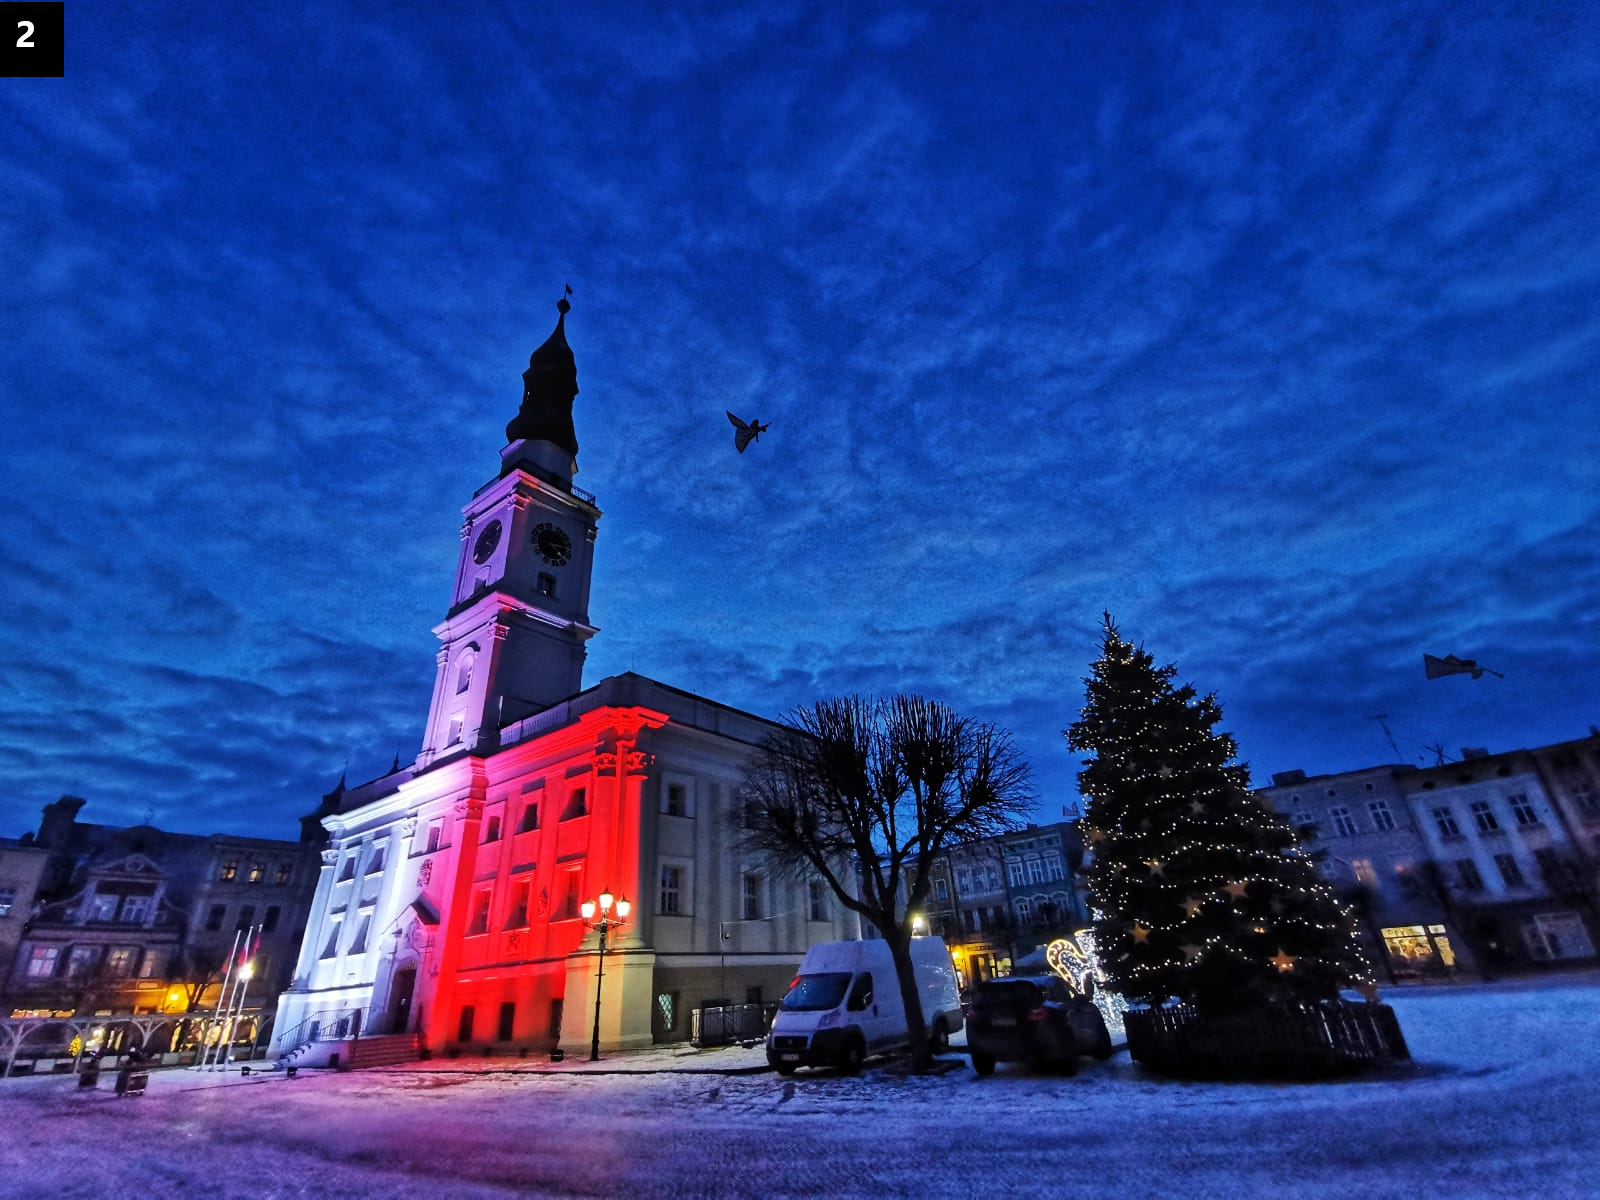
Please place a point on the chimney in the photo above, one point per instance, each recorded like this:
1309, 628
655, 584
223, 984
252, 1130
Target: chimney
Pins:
55, 830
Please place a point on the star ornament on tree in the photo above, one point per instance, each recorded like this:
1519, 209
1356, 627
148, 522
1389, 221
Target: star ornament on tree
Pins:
1193, 905
1155, 866
1237, 890
1283, 960
1141, 933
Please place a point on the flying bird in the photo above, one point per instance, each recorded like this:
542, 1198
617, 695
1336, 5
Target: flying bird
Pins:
1451, 665
745, 434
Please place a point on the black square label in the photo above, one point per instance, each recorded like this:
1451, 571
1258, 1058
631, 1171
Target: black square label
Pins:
32, 42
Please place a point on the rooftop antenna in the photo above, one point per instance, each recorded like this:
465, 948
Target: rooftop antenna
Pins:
1438, 751
1383, 722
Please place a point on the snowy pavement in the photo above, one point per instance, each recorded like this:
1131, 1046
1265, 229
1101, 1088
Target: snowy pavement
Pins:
1499, 1101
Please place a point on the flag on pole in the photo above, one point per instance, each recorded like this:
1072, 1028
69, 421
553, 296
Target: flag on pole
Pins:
1451, 665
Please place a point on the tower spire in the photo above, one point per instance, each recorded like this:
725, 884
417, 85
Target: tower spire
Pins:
548, 387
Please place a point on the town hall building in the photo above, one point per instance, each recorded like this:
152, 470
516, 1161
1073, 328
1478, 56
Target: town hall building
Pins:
451, 900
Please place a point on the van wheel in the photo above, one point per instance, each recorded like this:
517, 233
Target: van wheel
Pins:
1102, 1047
983, 1064
785, 1069
851, 1057
939, 1040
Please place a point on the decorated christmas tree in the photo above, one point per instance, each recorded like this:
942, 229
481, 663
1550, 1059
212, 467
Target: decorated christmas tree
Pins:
1202, 892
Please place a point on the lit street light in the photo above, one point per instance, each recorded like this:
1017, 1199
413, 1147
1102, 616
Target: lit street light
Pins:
605, 923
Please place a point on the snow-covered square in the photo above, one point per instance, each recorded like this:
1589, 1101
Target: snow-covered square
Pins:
1499, 1100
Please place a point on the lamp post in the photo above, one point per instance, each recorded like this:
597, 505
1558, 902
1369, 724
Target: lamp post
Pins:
604, 923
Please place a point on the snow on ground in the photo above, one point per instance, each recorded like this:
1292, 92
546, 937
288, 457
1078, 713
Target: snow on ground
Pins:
1500, 1100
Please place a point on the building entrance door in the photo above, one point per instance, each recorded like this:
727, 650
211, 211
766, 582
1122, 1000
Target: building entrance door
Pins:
404, 983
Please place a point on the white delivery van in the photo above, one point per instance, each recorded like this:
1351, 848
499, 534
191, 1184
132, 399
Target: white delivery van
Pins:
844, 1005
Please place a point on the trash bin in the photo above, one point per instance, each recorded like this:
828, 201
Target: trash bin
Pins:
89, 1073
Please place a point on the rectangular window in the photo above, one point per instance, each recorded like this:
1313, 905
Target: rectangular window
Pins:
517, 916
152, 965
479, 922
330, 948
671, 889
1483, 816
1382, 818
1344, 825
1509, 871
42, 962
1014, 872
216, 915
964, 879
136, 909
530, 818
752, 896
375, 863
752, 817
102, 907
1445, 821
258, 872
1587, 799
270, 921
577, 804
667, 1006
285, 873
8, 897
941, 891
464, 1025
993, 875
1557, 935
119, 963
230, 870
675, 800
1522, 809
347, 869
547, 584
1467, 875
247, 917
572, 897
1035, 871
508, 1019
435, 836
458, 724
82, 961
817, 899
1024, 911
358, 944
1366, 876
1305, 825
491, 829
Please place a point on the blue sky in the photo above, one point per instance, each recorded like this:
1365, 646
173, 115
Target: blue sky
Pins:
1270, 328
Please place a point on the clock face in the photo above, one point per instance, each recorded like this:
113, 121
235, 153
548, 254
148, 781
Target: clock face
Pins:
487, 541
553, 545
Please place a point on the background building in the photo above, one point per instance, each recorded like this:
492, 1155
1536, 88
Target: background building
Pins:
140, 920
1488, 862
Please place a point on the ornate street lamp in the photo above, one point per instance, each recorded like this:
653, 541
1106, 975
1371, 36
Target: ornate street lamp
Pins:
605, 923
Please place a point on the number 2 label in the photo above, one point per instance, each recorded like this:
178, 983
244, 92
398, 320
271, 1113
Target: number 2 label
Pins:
25, 38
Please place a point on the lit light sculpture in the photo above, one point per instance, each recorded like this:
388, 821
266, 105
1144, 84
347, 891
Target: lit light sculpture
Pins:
1074, 959
604, 924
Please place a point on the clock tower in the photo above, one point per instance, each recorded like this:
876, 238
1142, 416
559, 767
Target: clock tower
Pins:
513, 641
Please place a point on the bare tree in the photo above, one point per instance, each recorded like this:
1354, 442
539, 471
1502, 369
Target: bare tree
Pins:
871, 791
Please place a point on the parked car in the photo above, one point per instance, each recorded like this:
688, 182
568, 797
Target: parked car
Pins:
1035, 1019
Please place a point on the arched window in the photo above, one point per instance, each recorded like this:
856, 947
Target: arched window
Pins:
464, 666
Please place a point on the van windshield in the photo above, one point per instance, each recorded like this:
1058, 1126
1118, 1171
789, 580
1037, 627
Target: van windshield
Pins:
815, 993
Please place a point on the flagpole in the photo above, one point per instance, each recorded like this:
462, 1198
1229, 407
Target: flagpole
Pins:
205, 1049
241, 989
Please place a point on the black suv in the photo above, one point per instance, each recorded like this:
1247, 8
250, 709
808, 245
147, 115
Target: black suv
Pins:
1036, 1019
